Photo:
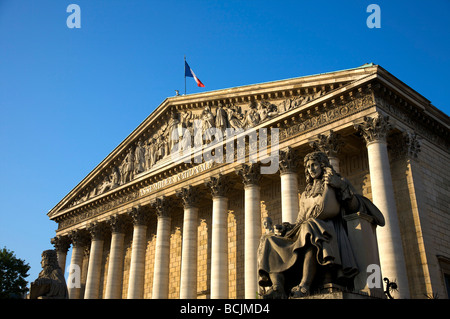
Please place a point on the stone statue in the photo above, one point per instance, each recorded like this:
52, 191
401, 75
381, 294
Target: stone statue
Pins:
114, 177
139, 158
234, 117
50, 283
187, 130
173, 135
208, 123
104, 186
221, 118
301, 257
126, 168
267, 110
252, 117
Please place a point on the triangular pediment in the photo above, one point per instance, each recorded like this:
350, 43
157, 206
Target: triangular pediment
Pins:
145, 151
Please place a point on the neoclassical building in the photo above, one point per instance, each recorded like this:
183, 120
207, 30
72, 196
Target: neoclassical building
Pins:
176, 210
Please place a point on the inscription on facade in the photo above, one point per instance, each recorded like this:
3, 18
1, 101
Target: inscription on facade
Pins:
84, 215
176, 178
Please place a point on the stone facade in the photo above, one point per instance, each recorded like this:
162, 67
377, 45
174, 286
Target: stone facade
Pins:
143, 225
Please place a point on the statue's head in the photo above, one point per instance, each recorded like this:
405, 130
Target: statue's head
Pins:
315, 165
49, 259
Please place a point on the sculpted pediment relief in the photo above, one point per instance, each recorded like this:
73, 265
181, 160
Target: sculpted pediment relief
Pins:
155, 147
148, 148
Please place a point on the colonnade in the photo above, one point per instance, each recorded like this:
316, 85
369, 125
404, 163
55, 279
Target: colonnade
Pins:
374, 131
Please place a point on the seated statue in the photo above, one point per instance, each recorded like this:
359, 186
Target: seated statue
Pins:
300, 258
50, 283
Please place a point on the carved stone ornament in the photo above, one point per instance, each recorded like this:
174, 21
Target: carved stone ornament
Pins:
374, 129
219, 185
250, 173
78, 238
96, 230
329, 144
138, 215
61, 243
412, 145
161, 205
189, 196
289, 160
117, 223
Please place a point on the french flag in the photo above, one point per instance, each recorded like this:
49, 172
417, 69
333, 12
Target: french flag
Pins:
188, 72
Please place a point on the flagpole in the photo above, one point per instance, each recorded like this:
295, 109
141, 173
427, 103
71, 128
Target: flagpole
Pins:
185, 75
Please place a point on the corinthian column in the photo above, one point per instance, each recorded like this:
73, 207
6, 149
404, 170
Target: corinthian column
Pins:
137, 266
289, 185
188, 281
162, 250
219, 247
329, 144
96, 231
78, 239
61, 244
115, 267
392, 259
251, 176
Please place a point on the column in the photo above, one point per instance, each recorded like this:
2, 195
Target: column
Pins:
115, 266
289, 185
78, 239
250, 175
219, 246
61, 244
374, 131
138, 247
162, 250
96, 230
331, 145
188, 281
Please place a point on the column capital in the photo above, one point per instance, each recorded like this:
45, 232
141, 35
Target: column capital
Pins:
189, 196
412, 143
138, 215
329, 144
161, 204
289, 160
404, 146
250, 173
96, 230
117, 223
79, 238
219, 185
374, 129
61, 243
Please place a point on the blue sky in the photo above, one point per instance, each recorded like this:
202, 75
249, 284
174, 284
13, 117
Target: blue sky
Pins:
68, 97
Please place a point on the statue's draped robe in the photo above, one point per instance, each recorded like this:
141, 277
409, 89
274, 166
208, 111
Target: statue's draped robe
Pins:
319, 223
49, 286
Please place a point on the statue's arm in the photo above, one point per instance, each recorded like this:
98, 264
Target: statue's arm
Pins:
348, 198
